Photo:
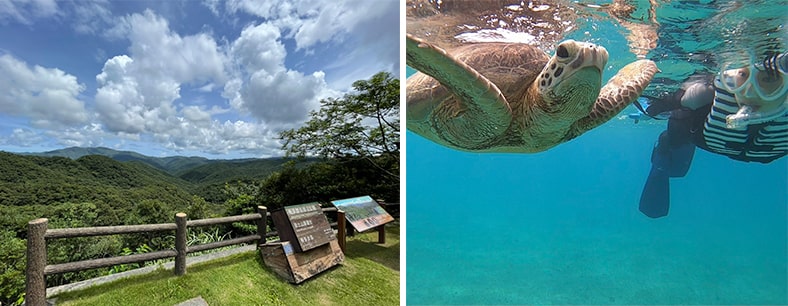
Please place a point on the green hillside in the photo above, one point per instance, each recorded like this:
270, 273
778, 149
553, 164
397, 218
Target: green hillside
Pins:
199, 176
201, 172
171, 165
220, 171
35, 180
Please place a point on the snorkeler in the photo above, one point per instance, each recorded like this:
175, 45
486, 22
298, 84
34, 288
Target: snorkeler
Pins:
741, 113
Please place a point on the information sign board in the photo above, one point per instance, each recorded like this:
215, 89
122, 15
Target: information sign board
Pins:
304, 225
363, 212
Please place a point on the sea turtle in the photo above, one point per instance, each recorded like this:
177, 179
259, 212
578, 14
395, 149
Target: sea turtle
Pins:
492, 97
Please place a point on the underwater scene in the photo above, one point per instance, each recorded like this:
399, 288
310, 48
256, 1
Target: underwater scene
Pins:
567, 225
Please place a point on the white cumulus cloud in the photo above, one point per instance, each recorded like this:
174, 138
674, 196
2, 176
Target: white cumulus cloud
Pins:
136, 92
140, 93
160, 52
313, 21
364, 31
48, 96
264, 86
22, 137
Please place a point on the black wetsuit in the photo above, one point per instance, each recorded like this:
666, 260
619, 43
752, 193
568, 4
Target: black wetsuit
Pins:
705, 128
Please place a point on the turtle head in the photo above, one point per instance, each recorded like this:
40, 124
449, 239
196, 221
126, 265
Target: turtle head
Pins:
571, 80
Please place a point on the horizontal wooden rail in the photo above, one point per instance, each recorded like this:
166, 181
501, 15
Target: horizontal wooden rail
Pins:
107, 230
38, 233
222, 243
106, 262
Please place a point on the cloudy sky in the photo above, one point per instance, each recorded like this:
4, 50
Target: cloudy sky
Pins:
210, 78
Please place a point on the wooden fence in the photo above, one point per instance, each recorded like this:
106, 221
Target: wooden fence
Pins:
38, 233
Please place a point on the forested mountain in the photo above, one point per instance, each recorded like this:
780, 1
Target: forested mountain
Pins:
193, 169
220, 171
29, 183
171, 165
197, 175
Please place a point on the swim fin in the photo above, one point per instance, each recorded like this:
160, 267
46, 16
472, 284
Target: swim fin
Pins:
655, 199
667, 160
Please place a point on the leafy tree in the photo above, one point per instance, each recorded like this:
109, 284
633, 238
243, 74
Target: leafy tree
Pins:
362, 125
152, 212
70, 215
73, 215
241, 205
198, 209
12, 267
324, 182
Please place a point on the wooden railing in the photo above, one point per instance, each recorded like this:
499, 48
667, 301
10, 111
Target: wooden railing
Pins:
38, 233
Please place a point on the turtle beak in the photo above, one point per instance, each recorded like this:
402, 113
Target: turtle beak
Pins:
590, 55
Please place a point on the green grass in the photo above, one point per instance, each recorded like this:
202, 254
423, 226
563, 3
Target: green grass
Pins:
369, 276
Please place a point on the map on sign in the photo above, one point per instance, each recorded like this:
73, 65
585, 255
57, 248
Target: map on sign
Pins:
363, 212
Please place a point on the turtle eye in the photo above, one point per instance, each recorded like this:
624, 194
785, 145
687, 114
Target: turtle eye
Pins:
562, 52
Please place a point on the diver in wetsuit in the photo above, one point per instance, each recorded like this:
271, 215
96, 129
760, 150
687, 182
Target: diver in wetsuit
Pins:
740, 113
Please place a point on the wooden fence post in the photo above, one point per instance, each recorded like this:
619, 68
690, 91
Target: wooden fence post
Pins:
180, 244
262, 224
341, 229
36, 287
382, 234
349, 228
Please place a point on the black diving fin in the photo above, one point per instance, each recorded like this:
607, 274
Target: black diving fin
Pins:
655, 199
666, 162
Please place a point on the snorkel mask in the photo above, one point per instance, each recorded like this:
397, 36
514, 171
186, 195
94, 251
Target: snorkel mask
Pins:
759, 91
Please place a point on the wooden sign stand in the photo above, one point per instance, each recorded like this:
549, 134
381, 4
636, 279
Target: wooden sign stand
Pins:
297, 267
308, 244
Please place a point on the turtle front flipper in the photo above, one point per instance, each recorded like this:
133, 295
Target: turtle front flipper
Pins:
479, 111
624, 88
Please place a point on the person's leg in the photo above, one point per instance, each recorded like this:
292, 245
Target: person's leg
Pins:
671, 157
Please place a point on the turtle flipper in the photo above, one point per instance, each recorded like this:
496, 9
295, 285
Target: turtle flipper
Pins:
618, 93
481, 112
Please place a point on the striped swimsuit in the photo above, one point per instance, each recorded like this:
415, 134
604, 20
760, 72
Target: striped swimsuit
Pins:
763, 142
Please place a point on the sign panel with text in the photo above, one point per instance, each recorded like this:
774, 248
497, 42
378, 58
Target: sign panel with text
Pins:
304, 225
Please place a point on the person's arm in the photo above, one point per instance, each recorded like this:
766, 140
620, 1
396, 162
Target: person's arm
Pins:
697, 95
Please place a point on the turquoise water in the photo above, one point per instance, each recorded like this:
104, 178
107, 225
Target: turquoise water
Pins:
563, 226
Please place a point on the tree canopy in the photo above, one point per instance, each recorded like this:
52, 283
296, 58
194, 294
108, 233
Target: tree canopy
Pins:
363, 124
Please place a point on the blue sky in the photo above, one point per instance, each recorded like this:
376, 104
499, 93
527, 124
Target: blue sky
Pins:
212, 78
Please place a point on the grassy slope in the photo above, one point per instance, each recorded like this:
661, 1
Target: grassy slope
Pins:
369, 276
